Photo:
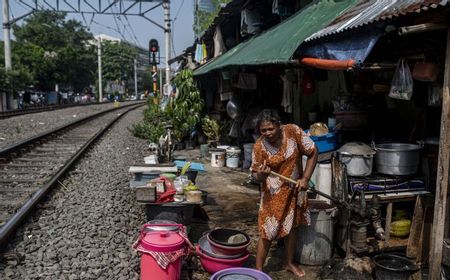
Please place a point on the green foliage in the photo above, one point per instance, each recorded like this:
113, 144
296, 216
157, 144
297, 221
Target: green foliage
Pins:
11, 81
211, 129
204, 19
185, 111
118, 61
152, 126
55, 51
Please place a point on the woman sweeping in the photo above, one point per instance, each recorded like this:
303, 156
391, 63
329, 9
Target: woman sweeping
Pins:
283, 206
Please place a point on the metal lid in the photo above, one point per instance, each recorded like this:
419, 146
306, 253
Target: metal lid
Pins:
357, 148
161, 225
233, 148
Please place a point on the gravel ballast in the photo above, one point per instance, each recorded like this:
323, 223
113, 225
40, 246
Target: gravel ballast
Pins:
86, 227
25, 126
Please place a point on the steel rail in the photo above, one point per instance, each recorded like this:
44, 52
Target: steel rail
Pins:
37, 109
14, 222
28, 141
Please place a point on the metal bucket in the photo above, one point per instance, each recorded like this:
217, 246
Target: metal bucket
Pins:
315, 242
397, 158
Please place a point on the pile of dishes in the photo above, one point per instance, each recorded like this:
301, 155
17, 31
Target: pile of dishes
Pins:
223, 248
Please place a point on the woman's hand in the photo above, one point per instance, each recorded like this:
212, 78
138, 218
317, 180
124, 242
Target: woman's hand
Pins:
262, 171
302, 184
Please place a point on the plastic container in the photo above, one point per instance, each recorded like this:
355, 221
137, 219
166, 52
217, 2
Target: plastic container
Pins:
213, 265
393, 267
240, 273
233, 155
217, 157
317, 177
315, 244
326, 142
323, 178
159, 241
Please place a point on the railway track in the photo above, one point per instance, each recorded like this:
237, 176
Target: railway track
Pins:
30, 168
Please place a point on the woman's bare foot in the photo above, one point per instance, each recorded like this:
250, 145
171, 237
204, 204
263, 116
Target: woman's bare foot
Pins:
297, 271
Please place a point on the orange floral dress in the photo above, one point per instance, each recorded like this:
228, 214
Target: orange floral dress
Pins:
282, 207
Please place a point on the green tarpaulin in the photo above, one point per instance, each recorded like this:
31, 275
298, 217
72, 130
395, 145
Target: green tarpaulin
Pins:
278, 44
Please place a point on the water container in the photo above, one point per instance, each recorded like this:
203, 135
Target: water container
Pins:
315, 242
217, 157
165, 241
324, 180
233, 155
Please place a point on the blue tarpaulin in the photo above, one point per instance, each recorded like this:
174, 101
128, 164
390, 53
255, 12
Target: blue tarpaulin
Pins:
352, 46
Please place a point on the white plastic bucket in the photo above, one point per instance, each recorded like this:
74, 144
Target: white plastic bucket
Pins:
324, 180
217, 157
233, 154
321, 178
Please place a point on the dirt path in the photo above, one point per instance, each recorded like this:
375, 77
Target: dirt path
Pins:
233, 203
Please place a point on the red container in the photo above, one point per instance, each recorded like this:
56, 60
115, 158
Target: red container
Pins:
226, 250
212, 265
159, 241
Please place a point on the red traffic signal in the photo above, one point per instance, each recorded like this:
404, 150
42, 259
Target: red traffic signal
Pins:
153, 45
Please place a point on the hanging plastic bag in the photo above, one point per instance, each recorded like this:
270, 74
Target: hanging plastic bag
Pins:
402, 83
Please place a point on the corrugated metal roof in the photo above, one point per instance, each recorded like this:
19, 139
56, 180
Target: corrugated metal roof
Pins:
278, 44
368, 11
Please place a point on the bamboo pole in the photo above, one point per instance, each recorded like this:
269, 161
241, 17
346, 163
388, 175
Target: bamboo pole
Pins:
440, 203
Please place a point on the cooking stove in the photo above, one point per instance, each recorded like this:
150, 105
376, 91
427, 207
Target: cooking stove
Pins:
387, 184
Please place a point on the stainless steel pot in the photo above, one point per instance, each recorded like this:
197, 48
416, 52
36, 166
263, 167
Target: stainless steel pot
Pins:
397, 158
358, 158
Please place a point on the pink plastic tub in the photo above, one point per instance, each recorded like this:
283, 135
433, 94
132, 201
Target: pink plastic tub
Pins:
212, 265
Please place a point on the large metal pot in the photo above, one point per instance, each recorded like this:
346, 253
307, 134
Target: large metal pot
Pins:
358, 158
397, 158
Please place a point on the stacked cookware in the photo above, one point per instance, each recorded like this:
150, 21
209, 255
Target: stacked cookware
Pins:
223, 248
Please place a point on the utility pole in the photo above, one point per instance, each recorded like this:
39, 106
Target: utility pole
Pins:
7, 47
6, 35
100, 85
167, 33
135, 78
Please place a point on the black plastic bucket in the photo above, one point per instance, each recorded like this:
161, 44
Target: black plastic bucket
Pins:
393, 267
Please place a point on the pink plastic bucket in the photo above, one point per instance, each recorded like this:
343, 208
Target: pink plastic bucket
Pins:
164, 242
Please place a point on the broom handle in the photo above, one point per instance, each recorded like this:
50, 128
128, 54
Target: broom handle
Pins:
311, 188
283, 177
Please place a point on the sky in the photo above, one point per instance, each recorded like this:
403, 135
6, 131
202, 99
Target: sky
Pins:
134, 29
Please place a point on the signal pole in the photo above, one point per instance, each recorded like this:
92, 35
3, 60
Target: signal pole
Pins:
167, 32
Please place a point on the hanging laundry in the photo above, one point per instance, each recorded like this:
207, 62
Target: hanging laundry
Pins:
247, 81
219, 46
282, 8
198, 53
204, 54
250, 22
288, 79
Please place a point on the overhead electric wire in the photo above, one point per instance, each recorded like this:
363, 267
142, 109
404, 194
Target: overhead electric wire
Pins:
173, 28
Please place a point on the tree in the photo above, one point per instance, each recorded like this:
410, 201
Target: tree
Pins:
118, 61
204, 19
55, 51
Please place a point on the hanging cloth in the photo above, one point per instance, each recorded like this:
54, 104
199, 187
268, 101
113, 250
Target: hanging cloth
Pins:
198, 53
288, 79
219, 46
204, 54
250, 21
